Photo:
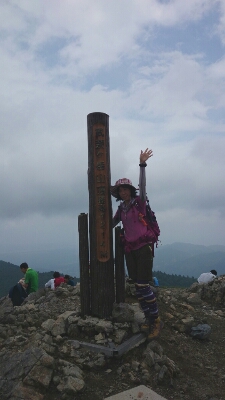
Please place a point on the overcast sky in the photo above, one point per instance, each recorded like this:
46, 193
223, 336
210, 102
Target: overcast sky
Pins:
157, 68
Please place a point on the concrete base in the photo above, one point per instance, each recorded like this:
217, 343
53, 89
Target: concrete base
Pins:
113, 350
139, 393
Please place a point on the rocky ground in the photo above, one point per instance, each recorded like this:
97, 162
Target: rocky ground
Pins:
42, 358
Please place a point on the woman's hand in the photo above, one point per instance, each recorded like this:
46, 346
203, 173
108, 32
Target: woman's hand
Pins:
145, 155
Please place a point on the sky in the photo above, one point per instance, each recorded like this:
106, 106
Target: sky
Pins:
157, 68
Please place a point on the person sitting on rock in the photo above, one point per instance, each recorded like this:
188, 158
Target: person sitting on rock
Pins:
30, 280
69, 280
50, 284
207, 277
56, 281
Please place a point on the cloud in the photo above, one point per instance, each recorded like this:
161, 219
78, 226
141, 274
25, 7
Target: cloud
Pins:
220, 27
61, 61
92, 35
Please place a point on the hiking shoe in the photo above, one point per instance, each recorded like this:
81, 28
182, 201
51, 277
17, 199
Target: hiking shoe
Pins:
155, 329
145, 326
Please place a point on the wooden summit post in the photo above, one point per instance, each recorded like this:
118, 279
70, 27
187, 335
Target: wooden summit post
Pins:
100, 216
84, 264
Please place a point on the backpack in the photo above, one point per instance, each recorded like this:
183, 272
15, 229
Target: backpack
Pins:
152, 223
17, 294
149, 219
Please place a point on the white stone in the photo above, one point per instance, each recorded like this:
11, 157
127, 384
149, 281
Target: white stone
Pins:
140, 392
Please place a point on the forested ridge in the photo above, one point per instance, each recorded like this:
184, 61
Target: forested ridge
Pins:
11, 274
173, 280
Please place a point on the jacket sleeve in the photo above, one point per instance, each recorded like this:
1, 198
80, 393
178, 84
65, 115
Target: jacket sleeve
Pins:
50, 284
142, 184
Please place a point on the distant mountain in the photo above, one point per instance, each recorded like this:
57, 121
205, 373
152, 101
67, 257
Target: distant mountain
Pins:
189, 259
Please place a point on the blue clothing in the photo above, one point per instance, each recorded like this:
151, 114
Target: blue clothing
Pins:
71, 282
156, 282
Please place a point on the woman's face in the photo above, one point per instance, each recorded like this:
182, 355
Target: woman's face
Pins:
125, 193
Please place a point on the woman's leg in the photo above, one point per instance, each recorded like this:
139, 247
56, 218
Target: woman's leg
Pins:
144, 292
147, 300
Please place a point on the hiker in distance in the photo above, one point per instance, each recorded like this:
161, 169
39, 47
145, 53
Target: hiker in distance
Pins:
207, 277
138, 238
30, 280
55, 281
25, 286
69, 280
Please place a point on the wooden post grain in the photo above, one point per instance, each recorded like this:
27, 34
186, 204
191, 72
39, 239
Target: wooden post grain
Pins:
84, 264
100, 216
119, 267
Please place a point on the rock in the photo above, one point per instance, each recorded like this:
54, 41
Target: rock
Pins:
104, 326
25, 365
72, 370
100, 336
38, 353
88, 322
71, 385
39, 376
135, 365
180, 327
123, 312
59, 327
149, 357
73, 331
120, 336
135, 327
188, 307
25, 392
187, 321
194, 298
169, 315
48, 325
155, 346
201, 331
163, 371
130, 289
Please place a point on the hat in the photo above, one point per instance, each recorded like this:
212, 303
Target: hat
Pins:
120, 182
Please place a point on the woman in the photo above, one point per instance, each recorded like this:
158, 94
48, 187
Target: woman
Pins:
137, 243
